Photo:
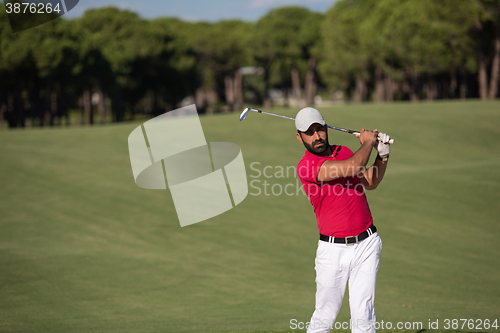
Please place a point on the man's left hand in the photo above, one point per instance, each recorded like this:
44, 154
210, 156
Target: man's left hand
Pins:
383, 147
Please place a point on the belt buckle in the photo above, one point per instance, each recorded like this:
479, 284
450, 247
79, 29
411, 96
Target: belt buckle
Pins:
347, 240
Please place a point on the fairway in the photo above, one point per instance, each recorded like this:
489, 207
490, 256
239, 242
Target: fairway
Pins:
83, 249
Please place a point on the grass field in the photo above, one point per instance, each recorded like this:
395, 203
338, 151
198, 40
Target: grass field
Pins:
83, 249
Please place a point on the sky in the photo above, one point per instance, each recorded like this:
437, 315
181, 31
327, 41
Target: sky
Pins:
199, 10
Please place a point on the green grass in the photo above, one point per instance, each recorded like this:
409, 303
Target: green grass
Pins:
83, 249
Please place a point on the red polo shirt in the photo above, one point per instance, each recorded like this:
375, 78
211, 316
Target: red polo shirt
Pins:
340, 205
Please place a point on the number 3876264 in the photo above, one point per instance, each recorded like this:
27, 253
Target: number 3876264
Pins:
33, 8
471, 324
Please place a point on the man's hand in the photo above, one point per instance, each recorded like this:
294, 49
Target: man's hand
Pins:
367, 137
383, 147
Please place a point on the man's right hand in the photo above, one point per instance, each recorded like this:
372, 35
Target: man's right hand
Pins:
367, 137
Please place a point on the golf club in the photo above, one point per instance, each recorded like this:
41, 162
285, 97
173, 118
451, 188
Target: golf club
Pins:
244, 114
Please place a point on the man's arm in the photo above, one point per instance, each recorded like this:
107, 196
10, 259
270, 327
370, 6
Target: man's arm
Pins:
331, 170
373, 175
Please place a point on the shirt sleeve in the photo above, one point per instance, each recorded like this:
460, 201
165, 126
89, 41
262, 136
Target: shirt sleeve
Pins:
308, 169
344, 153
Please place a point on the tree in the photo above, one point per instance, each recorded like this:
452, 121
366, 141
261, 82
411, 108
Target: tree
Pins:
29, 62
487, 26
283, 44
233, 40
220, 50
345, 59
116, 43
416, 39
54, 47
16, 65
311, 42
177, 62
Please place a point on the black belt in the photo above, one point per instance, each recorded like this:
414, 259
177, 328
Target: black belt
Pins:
351, 239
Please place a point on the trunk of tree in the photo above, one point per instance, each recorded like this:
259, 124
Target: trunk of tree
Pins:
310, 85
147, 105
360, 93
21, 115
405, 89
82, 111
156, 110
101, 105
87, 107
379, 85
432, 90
238, 90
266, 98
10, 109
212, 97
52, 109
229, 85
212, 100
445, 88
311, 90
286, 97
389, 89
63, 110
39, 104
453, 83
15, 115
483, 79
296, 84
118, 106
3, 108
463, 91
413, 83
495, 68
200, 100
267, 102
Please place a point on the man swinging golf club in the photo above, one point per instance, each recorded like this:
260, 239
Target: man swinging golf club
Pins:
335, 179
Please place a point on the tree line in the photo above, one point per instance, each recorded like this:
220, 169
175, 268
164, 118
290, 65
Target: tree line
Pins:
113, 65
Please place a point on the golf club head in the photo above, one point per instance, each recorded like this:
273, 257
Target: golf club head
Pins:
243, 115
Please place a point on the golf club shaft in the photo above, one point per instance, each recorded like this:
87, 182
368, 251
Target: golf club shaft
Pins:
291, 118
272, 114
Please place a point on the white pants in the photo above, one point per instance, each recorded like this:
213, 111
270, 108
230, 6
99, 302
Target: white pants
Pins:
335, 265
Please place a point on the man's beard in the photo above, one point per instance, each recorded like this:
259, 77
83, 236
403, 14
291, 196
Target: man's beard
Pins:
321, 150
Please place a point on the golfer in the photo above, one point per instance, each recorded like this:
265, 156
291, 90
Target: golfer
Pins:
335, 179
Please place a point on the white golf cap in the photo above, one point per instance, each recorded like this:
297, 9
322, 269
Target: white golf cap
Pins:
306, 117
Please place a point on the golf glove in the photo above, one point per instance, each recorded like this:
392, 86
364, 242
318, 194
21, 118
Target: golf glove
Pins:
383, 147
